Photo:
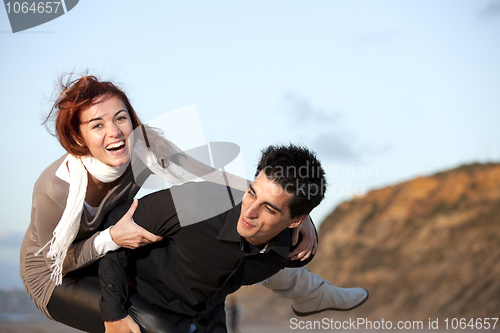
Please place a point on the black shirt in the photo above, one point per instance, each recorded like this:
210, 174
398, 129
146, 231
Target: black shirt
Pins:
198, 263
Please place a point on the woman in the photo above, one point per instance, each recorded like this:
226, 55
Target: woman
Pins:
72, 197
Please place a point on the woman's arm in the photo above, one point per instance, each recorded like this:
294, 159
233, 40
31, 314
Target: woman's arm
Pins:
126, 233
46, 214
150, 140
309, 243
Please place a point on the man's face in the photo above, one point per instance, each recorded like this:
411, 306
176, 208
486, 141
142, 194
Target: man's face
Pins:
264, 211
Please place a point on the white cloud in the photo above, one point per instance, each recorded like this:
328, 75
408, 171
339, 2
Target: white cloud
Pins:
491, 10
325, 131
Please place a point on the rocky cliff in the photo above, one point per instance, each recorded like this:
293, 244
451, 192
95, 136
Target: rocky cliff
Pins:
426, 248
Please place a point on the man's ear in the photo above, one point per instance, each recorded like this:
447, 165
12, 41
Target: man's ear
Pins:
296, 221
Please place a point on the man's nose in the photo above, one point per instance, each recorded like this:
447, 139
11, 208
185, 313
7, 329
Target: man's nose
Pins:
252, 211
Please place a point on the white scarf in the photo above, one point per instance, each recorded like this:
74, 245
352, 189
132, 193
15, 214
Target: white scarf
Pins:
69, 225
171, 173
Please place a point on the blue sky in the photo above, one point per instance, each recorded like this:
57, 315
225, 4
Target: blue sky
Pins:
384, 91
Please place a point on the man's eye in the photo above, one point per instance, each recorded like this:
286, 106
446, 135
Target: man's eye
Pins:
251, 193
272, 211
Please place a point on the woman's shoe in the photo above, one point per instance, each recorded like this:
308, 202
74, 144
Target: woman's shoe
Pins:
311, 294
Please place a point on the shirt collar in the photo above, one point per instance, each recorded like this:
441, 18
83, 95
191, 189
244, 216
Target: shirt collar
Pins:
281, 243
228, 231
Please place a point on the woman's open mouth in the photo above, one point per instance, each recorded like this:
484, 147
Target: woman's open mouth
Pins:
115, 146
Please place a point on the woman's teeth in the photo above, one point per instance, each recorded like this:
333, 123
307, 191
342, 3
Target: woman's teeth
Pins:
116, 146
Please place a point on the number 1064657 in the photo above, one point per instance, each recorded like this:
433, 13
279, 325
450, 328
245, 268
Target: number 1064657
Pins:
25, 7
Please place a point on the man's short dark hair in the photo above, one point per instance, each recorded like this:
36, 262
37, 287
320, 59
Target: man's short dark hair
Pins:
297, 170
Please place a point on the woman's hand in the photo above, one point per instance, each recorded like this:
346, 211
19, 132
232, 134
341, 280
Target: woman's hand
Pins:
308, 245
125, 325
126, 233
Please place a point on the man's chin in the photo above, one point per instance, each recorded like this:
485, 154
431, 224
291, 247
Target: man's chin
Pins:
242, 230
239, 229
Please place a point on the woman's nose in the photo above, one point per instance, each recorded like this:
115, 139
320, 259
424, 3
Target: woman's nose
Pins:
114, 131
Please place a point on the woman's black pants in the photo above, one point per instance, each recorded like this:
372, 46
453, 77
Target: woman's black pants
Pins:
75, 303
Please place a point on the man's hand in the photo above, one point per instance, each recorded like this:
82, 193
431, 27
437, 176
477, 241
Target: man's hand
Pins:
126, 233
308, 245
125, 325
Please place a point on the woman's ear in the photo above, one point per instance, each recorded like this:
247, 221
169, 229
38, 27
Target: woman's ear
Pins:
83, 150
81, 142
296, 221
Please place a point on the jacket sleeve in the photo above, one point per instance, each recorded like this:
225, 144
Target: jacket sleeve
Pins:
156, 213
81, 254
46, 213
176, 155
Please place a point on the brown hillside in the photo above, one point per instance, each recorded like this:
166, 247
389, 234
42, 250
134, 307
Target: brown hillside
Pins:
426, 248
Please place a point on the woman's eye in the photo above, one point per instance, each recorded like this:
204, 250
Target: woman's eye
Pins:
121, 119
97, 126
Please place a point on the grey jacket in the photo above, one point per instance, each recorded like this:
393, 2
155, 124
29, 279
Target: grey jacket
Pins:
49, 200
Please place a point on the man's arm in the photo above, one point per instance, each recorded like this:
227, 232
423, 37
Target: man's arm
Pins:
125, 325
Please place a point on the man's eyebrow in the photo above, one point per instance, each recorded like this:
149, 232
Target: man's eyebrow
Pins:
265, 202
96, 119
273, 206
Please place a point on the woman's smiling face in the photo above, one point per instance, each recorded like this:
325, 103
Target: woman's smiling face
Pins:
105, 127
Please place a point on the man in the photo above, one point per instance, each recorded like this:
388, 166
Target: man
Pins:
188, 275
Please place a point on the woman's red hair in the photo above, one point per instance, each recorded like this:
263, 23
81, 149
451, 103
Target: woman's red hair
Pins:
77, 96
